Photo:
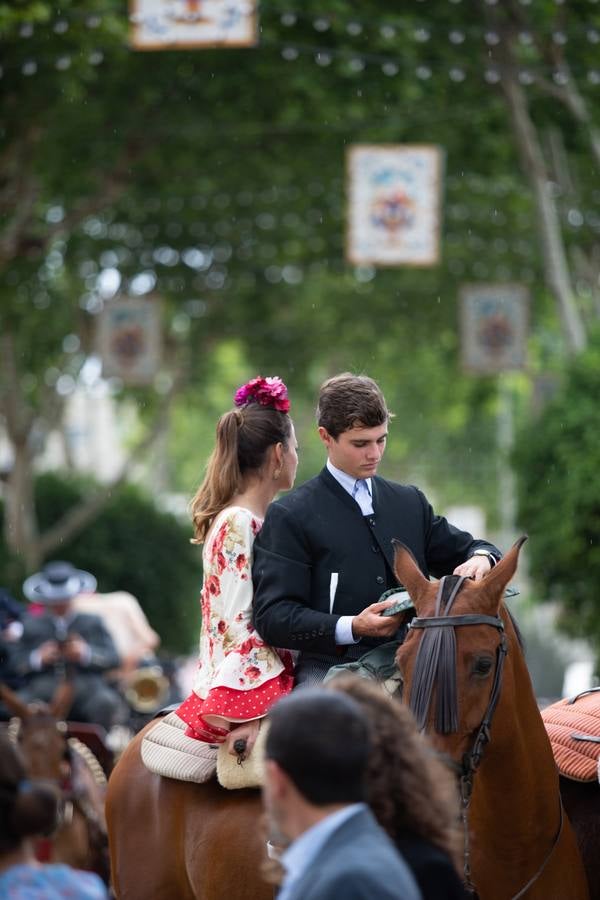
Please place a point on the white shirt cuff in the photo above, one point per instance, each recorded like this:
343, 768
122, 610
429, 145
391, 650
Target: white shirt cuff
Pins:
343, 631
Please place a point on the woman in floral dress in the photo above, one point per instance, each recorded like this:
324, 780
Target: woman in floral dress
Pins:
238, 677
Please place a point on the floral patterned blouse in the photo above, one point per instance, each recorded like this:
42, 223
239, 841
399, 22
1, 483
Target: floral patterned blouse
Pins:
232, 653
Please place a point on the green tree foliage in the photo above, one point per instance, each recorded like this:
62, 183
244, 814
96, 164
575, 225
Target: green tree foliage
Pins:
558, 466
215, 177
131, 546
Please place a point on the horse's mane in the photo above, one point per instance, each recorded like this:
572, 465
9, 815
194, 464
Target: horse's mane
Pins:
515, 625
435, 665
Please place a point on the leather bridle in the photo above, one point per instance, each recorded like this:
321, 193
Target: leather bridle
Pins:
435, 657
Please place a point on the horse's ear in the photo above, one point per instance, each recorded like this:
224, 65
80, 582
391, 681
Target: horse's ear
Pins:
14, 703
495, 582
408, 573
62, 699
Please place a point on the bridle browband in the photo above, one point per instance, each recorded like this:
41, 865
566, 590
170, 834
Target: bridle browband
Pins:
435, 665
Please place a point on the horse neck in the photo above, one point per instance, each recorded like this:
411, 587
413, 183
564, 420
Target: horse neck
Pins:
518, 772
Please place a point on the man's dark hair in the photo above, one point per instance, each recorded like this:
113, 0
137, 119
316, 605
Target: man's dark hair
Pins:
348, 400
321, 741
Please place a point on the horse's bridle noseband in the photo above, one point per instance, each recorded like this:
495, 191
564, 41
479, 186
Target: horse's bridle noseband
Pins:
434, 662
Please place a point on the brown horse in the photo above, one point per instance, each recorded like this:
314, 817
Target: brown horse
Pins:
467, 683
80, 839
179, 841
172, 840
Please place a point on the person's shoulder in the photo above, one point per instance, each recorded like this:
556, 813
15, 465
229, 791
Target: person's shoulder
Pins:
297, 499
363, 829
84, 885
361, 876
38, 621
99, 602
90, 625
415, 847
237, 518
87, 618
359, 861
32, 881
405, 491
302, 491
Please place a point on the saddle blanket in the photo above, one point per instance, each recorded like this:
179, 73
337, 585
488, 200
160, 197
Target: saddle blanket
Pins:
573, 726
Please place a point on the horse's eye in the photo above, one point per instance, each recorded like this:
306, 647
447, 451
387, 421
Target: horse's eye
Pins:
482, 666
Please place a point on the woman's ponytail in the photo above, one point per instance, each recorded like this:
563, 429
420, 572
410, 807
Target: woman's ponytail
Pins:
223, 478
244, 435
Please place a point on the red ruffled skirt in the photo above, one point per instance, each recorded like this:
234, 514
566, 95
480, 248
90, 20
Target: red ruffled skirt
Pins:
233, 706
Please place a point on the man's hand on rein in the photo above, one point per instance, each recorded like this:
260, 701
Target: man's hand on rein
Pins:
370, 622
475, 567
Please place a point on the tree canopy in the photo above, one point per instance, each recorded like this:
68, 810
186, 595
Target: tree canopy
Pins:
215, 178
558, 460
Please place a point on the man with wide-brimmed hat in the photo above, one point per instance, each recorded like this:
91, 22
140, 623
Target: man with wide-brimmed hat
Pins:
62, 643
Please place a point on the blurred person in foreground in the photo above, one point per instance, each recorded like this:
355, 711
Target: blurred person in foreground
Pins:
61, 643
29, 809
315, 791
238, 677
412, 794
324, 555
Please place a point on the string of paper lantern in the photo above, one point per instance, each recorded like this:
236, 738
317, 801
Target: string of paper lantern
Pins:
388, 27
358, 60
356, 63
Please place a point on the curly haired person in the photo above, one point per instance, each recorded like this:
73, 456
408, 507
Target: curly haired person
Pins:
411, 792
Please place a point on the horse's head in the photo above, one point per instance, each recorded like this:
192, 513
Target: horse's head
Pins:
451, 661
41, 732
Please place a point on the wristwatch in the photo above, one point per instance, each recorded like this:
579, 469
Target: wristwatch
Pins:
489, 555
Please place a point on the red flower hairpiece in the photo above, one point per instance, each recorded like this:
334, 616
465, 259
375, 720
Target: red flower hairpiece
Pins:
266, 391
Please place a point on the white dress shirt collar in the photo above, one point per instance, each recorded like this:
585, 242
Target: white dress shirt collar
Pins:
347, 481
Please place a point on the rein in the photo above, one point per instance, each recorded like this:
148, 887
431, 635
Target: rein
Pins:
436, 662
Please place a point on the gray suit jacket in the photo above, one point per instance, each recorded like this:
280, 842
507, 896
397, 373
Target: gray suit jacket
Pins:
357, 862
38, 629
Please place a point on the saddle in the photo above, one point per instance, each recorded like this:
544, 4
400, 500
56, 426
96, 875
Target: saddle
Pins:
573, 726
166, 750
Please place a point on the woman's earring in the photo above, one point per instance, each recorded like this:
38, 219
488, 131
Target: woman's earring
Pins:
276, 474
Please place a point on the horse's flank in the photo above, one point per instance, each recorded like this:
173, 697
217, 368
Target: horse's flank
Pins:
179, 841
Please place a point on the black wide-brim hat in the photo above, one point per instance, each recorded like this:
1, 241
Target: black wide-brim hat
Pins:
58, 582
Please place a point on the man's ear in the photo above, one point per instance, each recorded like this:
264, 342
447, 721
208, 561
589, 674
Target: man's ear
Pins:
276, 778
325, 436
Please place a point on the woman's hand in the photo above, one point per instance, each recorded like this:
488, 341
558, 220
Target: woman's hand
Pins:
248, 732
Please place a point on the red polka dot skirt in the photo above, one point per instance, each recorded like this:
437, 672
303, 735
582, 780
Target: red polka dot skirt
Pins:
223, 705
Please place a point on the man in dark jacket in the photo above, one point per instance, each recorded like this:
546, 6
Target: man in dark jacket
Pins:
60, 643
324, 555
335, 848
